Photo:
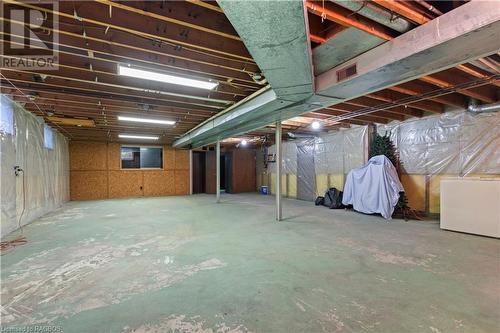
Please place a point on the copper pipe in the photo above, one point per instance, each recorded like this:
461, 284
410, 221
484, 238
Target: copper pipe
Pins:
317, 39
331, 15
403, 10
429, 7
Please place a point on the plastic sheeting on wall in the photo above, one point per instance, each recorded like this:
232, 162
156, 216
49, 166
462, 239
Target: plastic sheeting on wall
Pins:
333, 156
451, 144
46, 171
458, 143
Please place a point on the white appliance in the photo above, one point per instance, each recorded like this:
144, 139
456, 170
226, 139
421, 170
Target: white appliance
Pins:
471, 205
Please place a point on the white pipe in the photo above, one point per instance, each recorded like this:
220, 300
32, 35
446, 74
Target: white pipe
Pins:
217, 177
278, 171
484, 108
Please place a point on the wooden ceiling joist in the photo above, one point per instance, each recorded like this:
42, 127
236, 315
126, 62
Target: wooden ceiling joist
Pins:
167, 19
340, 15
28, 84
393, 96
136, 50
99, 17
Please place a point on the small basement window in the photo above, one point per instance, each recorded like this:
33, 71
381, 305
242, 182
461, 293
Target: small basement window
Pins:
48, 137
6, 116
142, 157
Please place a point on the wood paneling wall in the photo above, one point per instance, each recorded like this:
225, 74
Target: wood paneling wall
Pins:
210, 171
95, 173
243, 172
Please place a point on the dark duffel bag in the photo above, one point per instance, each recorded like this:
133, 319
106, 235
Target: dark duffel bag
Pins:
333, 199
319, 201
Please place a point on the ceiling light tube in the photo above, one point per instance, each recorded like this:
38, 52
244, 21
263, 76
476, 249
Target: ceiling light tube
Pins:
166, 78
147, 120
133, 136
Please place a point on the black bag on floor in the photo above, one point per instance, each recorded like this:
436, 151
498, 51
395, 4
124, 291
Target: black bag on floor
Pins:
333, 199
319, 201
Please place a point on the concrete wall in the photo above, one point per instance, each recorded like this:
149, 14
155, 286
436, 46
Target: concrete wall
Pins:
96, 173
46, 171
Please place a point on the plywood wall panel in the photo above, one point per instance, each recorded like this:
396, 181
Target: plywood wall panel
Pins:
114, 156
96, 173
88, 185
181, 182
87, 155
158, 183
181, 159
168, 158
125, 184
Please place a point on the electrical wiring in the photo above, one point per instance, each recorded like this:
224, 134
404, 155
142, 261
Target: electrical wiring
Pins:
21, 239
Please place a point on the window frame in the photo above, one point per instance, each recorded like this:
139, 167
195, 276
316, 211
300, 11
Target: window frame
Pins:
143, 146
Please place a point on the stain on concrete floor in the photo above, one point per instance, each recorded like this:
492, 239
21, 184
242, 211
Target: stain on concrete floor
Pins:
186, 264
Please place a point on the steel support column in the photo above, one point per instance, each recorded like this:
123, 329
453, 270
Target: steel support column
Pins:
217, 163
278, 171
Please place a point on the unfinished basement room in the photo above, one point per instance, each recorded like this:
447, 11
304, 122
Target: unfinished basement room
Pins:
258, 166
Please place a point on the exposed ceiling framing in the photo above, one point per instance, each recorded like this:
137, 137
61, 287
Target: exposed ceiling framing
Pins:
195, 39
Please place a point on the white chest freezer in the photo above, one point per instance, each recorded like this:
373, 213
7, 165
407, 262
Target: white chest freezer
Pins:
471, 205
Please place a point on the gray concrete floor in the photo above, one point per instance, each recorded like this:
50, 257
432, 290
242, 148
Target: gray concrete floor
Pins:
185, 264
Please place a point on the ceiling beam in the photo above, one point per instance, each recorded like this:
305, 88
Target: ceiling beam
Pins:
429, 48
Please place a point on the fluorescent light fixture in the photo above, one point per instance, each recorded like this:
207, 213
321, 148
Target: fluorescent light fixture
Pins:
147, 120
315, 125
244, 142
131, 136
166, 78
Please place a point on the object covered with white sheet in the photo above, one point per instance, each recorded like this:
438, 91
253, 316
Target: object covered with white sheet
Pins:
374, 187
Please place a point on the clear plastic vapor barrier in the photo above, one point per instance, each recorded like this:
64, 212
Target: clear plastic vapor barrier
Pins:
456, 144
453, 144
313, 164
42, 157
